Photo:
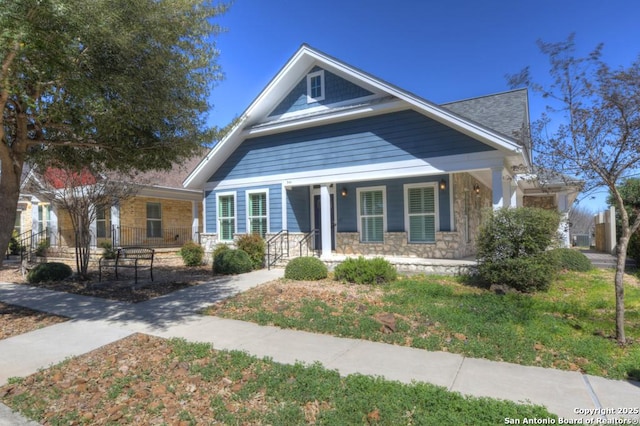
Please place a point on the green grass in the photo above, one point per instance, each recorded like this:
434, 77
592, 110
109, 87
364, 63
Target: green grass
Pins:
569, 327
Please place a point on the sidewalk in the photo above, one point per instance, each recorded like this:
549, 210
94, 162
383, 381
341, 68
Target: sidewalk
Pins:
176, 315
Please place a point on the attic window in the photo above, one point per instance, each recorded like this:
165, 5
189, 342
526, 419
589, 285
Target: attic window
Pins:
315, 86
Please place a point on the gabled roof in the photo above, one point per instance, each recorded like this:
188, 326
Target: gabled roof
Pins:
256, 121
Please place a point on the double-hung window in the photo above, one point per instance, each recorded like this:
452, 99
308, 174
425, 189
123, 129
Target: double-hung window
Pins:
371, 214
257, 214
315, 86
154, 220
226, 216
421, 205
101, 222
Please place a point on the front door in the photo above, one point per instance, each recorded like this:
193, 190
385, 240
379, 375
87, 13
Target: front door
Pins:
318, 223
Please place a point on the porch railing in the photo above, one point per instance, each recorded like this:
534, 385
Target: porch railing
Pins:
33, 244
277, 246
308, 242
122, 236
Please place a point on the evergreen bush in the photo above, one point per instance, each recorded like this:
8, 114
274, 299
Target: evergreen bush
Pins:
220, 248
569, 259
511, 248
365, 271
108, 251
254, 246
231, 261
527, 274
306, 268
191, 254
52, 271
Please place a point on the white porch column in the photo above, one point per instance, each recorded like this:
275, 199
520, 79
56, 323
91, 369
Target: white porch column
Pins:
115, 225
325, 220
563, 227
497, 188
93, 230
53, 228
195, 220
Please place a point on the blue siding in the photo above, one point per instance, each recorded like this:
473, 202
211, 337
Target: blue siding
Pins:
347, 206
275, 207
336, 90
298, 210
403, 135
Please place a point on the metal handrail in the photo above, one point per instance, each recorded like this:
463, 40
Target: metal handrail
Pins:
277, 242
305, 241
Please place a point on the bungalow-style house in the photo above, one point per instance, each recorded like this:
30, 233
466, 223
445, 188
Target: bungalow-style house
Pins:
331, 156
161, 213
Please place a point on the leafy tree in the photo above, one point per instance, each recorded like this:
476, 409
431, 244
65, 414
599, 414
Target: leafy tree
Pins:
591, 130
81, 194
109, 84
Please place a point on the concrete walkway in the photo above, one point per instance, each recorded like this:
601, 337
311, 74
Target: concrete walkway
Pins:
97, 322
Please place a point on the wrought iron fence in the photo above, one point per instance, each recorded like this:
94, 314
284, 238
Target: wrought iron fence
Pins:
122, 236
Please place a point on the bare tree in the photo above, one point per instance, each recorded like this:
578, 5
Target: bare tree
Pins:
81, 194
591, 130
581, 220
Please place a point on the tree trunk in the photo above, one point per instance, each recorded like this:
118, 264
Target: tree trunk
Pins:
619, 288
9, 194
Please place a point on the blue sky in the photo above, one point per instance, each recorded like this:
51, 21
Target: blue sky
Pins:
440, 50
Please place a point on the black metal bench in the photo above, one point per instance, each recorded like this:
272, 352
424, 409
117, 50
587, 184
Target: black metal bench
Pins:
129, 257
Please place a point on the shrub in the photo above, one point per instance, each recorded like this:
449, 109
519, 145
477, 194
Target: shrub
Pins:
511, 248
525, 274
53, 271
569, 259
365, 271
306, 268
43, 246
109, 252
254, 246
232, 261
510, 233
191, 254
220, 248
14, 244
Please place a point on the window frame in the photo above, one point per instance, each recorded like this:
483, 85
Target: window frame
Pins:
104, 221
359, 192
310, 77
265, 217
435, 214
150, 230
219, 218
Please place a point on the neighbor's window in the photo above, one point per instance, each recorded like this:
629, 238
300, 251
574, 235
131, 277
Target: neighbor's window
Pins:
44, 216
371, 220
154, 220
101, 222
226, 217
257, 213
315, 86
420, 220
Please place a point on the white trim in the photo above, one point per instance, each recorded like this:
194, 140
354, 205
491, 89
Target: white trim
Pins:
452, 212
249, 192
235, 213
397, 169
290, 115
204, 212
311, 99
283, 202
436, 208
382, 188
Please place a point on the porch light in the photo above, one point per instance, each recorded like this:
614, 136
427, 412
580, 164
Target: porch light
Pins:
476, 188
344, 191
443, 185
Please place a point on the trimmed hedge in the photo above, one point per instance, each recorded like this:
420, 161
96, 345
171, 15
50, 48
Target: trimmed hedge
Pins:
365, 271
231, 262
306, 268
52, 271
191, 254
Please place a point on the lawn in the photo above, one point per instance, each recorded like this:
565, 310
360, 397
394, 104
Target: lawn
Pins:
179, 383
570, 327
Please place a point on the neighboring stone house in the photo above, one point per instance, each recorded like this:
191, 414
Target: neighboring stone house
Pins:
161, 213
332, 157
